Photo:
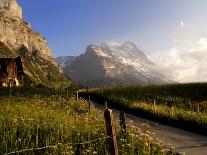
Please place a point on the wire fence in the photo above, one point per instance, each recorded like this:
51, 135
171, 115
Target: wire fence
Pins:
56, 146
81, 143
61, 144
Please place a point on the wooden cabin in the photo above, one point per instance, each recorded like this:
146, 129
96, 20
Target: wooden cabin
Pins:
11, 70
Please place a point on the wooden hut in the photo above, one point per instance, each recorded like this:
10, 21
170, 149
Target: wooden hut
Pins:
11, 70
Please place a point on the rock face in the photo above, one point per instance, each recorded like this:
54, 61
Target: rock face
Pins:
17, 35
112, 65
11, 7
15, 32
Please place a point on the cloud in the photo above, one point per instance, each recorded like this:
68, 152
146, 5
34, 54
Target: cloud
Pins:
186, 61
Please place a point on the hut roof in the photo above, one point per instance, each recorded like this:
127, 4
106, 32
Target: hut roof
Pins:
8, 56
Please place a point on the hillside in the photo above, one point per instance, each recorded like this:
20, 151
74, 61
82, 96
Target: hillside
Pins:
17, 37
112, 65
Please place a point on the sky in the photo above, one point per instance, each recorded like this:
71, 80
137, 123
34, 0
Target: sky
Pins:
172, 33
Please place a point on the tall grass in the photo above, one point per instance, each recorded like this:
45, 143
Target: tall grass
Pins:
174, 104
38, 120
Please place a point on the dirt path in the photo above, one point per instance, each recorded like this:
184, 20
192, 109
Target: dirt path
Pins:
181, 140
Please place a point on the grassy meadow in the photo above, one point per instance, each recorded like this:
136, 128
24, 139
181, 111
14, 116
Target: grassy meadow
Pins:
40, 121
181, 105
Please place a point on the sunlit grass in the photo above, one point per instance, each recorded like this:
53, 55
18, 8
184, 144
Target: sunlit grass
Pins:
56, 120
181, 105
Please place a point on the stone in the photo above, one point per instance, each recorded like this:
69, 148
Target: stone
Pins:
11, 7
15, 32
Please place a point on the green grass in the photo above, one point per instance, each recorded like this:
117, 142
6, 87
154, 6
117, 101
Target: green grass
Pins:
35, 119
176, 104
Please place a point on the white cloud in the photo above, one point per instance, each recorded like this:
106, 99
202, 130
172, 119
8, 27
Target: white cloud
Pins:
186, 61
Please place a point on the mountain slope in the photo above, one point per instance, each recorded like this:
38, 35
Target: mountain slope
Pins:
65, 60
112, 65
17, 37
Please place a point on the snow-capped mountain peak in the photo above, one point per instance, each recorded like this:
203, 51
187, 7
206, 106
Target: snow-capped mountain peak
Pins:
112, 64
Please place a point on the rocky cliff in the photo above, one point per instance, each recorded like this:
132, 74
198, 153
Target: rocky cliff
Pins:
15, 32
18, 36
11, 7
112, 65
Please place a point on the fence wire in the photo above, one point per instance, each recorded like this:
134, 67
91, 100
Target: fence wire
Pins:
55, 146
60, 144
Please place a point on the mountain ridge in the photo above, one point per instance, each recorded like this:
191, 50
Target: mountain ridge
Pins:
113, 65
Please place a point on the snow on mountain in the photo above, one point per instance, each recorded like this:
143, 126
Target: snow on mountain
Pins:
63, 61
112, 65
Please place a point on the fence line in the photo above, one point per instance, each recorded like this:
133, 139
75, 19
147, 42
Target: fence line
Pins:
59, 144
55, 146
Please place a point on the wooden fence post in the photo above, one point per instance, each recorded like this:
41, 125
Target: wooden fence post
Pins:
110, 128
89, 102
106, 105
122, 118
198, 108
154, 102
77, 96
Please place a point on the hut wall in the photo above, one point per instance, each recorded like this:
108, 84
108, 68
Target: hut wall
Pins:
12, 69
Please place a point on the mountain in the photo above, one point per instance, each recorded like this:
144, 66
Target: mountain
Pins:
17, 37
65, 60
112, 64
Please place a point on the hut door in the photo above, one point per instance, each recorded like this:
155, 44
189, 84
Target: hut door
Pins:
3, 67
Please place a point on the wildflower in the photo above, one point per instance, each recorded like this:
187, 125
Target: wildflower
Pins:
146, 144
145, 152
129, 145
94, 152
123, 140
14, 120
131, 134
87, 150
162, 151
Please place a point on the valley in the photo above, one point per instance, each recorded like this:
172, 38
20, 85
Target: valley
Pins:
98, 97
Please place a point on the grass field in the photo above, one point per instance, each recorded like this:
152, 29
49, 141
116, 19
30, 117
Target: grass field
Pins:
58, 124
182, 105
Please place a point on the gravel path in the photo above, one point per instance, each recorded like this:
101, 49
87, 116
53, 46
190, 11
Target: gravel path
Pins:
181, 140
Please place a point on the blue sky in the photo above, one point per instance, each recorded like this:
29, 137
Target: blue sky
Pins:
70, 25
